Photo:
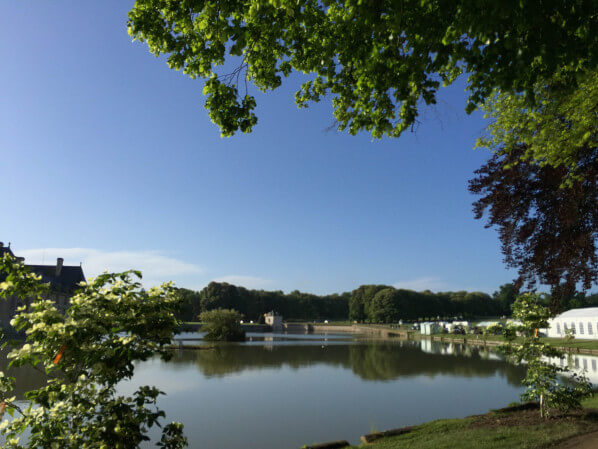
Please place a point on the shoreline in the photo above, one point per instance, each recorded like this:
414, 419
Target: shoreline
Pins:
474, 340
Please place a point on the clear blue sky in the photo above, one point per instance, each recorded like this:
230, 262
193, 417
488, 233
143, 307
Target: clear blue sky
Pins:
109, 158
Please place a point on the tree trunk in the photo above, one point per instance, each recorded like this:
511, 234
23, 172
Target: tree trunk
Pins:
541, 406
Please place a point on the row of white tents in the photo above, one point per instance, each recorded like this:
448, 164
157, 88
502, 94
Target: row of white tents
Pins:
580, 323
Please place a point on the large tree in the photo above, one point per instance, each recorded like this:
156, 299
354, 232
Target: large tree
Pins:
379, 60
540, 187
548, 230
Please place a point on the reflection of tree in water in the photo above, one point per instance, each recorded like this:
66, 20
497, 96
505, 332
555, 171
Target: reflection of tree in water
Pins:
376, 361
387, 362
228, 359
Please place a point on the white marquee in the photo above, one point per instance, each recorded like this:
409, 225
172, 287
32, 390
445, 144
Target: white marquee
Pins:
582, 323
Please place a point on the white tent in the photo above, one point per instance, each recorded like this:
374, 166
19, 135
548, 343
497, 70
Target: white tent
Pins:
583, 323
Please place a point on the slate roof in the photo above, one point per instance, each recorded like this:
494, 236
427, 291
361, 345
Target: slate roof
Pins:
5, 249
67, 281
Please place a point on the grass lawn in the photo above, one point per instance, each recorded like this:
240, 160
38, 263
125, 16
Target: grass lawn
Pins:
592, 402
523, 429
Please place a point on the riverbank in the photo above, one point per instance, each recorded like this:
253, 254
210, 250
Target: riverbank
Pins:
509, 428
384, 331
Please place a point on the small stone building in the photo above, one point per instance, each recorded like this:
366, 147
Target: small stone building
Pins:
274, 320
63, 280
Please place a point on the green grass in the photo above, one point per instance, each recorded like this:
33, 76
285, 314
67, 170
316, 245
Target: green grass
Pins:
591, 402
581, 344
456, 434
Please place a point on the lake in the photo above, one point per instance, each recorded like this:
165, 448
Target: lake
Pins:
281, 391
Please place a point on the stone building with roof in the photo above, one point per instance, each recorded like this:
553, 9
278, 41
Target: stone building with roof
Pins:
63, 280
273, 320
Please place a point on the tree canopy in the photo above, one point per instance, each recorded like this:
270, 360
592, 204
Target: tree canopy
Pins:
222, 325
547, 232
384, 304
558, 130
379, 60
540, 187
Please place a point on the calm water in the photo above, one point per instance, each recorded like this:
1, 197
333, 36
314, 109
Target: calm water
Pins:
283, 391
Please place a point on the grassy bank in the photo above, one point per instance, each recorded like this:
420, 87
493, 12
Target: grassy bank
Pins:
495, 430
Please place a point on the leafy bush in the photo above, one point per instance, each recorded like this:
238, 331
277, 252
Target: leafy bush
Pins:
541, 379
222, 325
86, 352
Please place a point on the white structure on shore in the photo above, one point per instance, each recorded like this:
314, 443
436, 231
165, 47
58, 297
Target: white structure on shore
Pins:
582, 323
273, 319
429, 328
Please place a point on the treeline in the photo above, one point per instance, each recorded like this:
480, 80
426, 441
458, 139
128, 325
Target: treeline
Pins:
385, 304
253, 304
366, 304
578, 300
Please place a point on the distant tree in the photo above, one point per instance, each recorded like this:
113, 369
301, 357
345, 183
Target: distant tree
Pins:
379, 60
222, 325
384, 306
505, 296
361, 300
190, 304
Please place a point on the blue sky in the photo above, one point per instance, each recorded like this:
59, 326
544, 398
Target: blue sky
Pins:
109, 158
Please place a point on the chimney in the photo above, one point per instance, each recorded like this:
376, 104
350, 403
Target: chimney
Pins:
59, 263
21, 260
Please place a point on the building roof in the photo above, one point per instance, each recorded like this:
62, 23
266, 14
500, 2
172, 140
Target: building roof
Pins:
579, 313
61, 277
5, 249
67, 280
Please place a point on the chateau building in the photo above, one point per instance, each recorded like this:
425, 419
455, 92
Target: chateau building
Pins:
63, 280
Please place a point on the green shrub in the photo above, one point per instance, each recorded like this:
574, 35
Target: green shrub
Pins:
222, 325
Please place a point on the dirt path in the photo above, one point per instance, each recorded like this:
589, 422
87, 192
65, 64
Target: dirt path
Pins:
587, 441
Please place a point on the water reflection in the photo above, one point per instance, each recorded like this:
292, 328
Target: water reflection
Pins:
283, 391
376, 361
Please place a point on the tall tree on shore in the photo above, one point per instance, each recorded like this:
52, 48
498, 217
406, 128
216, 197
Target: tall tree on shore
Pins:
378, 60
540, 188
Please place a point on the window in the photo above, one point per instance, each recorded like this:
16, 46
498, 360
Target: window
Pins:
585, 363
581, 328
593, 364
558, 328
590, 330
573, 327
565, 326
576, 363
